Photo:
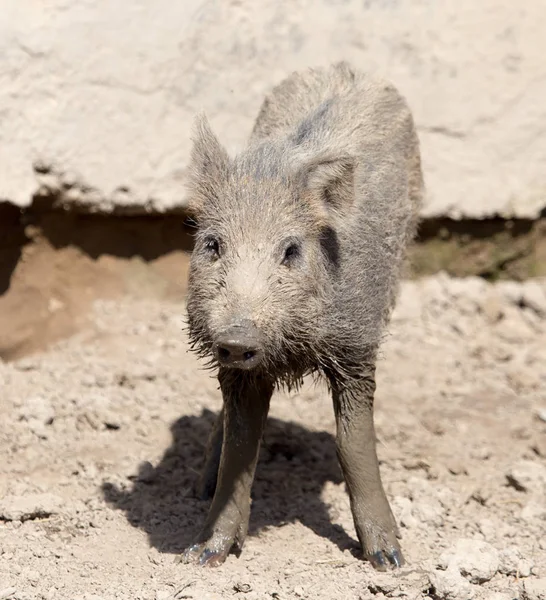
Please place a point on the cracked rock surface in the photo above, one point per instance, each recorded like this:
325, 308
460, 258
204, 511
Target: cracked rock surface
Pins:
98, 98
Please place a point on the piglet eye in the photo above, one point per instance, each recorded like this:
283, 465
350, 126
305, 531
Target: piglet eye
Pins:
212, 246
291, 253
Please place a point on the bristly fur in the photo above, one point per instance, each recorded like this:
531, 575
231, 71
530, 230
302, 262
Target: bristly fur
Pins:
333, 162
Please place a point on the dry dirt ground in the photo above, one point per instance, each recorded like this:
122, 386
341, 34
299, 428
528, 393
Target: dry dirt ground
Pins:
102, 437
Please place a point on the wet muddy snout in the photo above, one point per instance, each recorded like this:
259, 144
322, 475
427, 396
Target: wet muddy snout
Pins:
239, 347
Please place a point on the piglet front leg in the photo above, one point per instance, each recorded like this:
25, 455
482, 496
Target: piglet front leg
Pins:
374, 522
246, 404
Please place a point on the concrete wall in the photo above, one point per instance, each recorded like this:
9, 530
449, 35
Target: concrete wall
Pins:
102, 94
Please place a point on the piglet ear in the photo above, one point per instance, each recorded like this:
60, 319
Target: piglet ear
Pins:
208, 167
328, 181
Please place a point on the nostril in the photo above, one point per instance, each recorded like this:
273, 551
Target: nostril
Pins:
223, 353
238, 348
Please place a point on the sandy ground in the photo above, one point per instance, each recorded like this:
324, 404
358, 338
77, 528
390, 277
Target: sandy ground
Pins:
102, 438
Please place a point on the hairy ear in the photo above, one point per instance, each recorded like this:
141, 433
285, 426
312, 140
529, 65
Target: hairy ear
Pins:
208, 165
328, 182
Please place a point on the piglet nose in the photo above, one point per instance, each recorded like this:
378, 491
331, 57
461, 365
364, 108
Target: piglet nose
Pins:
239, 347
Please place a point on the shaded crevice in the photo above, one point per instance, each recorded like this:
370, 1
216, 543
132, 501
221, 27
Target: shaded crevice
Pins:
55, 262
491, 248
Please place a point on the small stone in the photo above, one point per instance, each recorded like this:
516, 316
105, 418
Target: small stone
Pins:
403, 508
243, 588
476, 560
27, 364
427, 506
534, 297
498, 596
481, 453
538, 446
70, 179
384, 583
88, 380
431, 512
534, 510
30, 506
521, 378
488, 528
527, 476
37, 408
450, 585
456, 467
512, 562
111, 421
492, 308
541, 414
32, 576
534, 589
511, 292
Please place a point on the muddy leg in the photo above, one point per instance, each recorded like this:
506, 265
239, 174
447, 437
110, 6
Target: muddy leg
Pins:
246, 403
209, 476
374, 521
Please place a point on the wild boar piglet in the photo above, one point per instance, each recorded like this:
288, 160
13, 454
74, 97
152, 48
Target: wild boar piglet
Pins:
299, 245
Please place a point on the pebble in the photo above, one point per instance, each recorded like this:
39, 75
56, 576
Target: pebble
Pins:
541, 414
533, 589
403, 508
450, 585
499, 596
30, 506
534, 510
512, 562
492, 308
527, 476
476, 560
534, 298
38, 412
242, 587
511, 291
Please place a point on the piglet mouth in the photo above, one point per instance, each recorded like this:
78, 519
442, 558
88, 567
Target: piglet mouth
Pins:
239, 347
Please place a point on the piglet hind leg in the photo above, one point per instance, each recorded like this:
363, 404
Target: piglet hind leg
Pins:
246, 404
356, 448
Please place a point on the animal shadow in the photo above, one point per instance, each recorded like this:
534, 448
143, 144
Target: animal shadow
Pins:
294, 465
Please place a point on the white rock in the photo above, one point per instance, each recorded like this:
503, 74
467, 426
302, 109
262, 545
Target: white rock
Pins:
450, 585
37, 408
534, 297
534, 510
403, 509
511, 291
426, 503
476, 560
488, 595
29, 506
534, 589
527, 476
541, 414
477, 92
512, 562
